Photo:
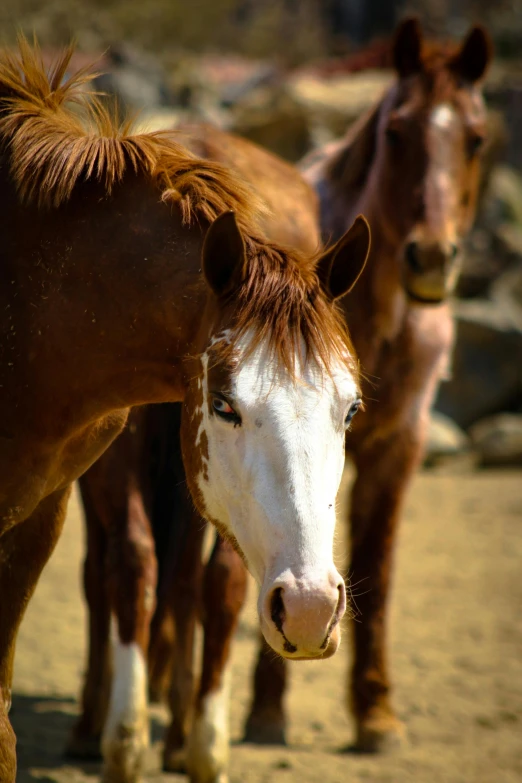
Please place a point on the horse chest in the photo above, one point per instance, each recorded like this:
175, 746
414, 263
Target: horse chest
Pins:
402, 374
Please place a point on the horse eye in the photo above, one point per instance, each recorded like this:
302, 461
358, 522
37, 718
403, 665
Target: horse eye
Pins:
351, 413
392, 136
475, 144
225, 411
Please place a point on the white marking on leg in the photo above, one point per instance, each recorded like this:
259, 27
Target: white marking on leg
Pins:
208, 746
126, 732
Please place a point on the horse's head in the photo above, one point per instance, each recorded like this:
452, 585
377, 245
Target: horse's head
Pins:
268, 403
429, 134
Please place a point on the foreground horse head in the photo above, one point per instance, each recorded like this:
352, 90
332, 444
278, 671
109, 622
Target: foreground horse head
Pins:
269, 400
415, 159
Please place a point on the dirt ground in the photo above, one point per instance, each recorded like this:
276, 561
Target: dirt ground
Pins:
456, 655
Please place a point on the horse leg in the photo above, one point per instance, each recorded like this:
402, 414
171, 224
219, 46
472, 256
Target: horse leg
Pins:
383, 473
85, 740
161, 654
266, 722
132, 576
224, 593
24, 551
184, 600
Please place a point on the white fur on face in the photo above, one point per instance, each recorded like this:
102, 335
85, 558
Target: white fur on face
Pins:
273, 480
441, 190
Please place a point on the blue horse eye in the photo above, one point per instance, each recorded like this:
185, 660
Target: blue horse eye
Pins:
351, 413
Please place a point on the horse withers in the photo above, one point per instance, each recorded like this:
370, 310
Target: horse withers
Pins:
134, 272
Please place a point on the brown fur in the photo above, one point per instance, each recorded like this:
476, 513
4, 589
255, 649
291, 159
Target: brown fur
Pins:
51, 150
101, 301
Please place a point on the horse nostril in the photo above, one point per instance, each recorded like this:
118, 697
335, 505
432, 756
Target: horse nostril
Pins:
277, 609
454, 250
412, 257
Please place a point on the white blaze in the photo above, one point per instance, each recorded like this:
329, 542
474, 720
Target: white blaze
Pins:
272, 482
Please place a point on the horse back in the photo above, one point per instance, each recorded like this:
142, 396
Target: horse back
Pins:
292, 203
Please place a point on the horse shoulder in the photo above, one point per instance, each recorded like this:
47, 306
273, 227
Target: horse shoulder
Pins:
41, 468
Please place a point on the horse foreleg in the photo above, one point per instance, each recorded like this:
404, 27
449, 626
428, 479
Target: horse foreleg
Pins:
132, 576
24, 551
224, 593
184, 603
85, 740
383, 473
266, 722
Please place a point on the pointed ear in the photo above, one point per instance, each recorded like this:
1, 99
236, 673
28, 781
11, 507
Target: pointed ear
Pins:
223, 255
472, 60
407, 48
340, 266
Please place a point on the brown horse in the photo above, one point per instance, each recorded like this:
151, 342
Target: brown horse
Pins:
121, 286
135, 501
412, 166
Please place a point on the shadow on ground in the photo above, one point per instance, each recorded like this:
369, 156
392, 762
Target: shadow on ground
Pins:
42, 725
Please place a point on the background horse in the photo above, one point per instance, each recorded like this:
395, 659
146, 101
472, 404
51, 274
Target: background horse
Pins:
412, 166
114, 293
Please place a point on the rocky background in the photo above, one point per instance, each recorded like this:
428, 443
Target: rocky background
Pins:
292, 75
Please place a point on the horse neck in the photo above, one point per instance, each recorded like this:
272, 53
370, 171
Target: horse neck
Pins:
376, 309
108, 301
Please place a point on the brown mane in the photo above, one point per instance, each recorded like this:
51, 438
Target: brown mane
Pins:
57, 135
283, 299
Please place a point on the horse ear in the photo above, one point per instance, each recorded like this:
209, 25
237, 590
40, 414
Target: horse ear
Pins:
475, 54
223, 255
407, 48
341, 265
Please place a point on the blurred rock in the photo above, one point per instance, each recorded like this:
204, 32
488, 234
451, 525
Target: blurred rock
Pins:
505, 188
273, 118
337, 102
507, 291
445, 439
498, 440
487, 367
135, 78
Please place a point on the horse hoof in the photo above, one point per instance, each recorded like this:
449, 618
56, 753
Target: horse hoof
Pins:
175, 760
124, 747
265, 731
83, 748
380, 734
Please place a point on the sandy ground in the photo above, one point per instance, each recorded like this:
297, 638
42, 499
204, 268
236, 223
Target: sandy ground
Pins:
456, 654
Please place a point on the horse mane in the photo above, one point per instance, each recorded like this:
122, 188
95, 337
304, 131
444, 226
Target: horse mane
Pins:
57, 135
351, 165
282, 296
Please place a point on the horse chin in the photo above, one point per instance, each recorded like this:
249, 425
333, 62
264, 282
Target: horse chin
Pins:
330, 648
422, 290
417, 298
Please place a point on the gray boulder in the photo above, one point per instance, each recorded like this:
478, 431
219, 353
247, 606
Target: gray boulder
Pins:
445, 439
498, 440
487, 362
